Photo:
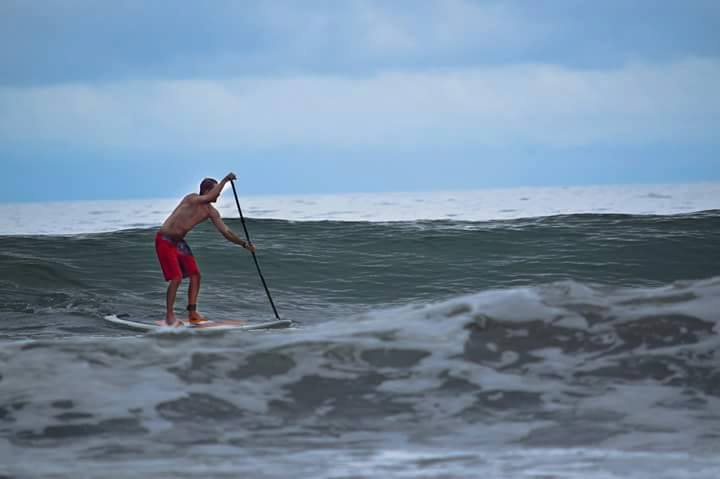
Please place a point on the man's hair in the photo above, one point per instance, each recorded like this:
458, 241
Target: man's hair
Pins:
207, 184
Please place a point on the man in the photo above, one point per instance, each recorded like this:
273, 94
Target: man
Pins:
176, 258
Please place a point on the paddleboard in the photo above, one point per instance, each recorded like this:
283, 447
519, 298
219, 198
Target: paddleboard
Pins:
225, 325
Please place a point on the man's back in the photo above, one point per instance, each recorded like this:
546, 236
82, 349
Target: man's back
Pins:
185, 217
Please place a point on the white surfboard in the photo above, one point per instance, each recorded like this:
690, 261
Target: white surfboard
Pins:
226, 325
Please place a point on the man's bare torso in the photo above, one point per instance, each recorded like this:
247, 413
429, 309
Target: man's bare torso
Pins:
185, 217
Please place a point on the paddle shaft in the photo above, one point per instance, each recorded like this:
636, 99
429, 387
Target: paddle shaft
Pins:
257, 265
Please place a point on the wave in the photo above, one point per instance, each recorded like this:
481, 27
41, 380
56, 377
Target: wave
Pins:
563, 364
319, 269
679, 240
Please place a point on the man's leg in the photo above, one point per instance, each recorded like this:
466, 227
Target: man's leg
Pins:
193, 292
173, 286
193, 289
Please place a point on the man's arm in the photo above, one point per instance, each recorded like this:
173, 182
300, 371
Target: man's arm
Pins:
227, 232
213, 194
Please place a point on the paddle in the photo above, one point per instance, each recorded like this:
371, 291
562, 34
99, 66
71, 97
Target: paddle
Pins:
247, 235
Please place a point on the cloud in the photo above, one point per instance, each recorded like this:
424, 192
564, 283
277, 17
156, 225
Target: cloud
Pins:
380, 29
523, 104
80, 41
85, 41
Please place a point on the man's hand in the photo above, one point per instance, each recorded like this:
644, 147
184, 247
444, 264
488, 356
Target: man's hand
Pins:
250, 247
229, 177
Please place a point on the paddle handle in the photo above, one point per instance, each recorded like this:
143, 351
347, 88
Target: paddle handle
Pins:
257, 265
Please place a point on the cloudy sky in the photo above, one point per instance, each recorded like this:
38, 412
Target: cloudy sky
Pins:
129, 99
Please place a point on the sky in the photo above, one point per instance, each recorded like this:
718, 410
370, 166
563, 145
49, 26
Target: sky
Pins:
138, 99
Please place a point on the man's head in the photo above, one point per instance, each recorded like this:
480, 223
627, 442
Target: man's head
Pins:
207, 184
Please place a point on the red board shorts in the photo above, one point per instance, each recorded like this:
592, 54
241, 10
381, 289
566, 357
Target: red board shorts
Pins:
176, 258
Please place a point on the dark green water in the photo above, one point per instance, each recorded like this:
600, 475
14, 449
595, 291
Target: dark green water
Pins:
321, 270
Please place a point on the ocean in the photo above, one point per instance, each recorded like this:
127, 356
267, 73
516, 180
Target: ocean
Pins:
508, 333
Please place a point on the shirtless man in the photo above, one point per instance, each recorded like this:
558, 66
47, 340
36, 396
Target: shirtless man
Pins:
176, 258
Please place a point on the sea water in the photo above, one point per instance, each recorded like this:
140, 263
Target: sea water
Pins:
529, 332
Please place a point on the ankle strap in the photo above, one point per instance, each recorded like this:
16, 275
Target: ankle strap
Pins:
192, 307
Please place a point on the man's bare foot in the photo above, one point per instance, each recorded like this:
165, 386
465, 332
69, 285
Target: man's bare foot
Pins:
196, 318
171, 321
176, 324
